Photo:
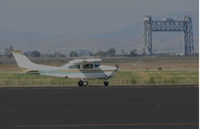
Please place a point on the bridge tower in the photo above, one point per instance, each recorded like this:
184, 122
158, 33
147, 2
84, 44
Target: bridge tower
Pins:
168, 25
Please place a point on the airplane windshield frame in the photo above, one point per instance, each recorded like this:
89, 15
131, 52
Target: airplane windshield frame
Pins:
96, 64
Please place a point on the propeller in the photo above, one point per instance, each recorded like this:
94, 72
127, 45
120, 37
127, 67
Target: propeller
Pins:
117, 65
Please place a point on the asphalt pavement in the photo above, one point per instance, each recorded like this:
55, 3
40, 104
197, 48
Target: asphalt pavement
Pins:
100, 108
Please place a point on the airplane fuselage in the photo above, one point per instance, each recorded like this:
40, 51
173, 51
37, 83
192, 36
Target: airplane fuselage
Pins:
81, 74
100, 72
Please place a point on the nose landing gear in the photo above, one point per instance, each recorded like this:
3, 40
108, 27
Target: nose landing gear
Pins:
85, 83
106, 83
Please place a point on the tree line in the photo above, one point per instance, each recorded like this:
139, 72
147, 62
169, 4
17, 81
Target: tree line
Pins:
35, 53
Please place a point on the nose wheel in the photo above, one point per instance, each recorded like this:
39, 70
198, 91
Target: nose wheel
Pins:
85, 83
82, 83
106, 83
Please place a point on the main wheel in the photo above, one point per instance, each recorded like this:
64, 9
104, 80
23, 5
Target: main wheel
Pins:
80, 83
106, 83
85, 83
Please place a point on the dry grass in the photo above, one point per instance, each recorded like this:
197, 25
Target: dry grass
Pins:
125, 78
152, 63
131, 63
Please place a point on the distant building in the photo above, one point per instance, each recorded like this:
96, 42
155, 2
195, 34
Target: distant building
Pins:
59, 55
180, 54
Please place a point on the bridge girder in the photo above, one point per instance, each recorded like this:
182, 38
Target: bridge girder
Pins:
168, 25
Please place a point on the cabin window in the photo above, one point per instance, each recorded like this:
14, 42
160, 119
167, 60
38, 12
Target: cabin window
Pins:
74, 67
88, 66
96, 64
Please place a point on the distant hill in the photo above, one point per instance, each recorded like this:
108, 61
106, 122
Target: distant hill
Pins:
14, 35
126, 38
136, 30
132, 31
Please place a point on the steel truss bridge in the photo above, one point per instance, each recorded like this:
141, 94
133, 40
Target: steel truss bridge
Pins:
168, 25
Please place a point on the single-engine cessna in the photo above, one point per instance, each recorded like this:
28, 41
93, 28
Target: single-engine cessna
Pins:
78, 68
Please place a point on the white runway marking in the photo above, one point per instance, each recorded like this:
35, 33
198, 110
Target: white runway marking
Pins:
108, 124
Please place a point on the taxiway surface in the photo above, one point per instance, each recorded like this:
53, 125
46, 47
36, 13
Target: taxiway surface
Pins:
99, 108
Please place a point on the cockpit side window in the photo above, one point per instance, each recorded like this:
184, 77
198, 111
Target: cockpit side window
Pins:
74, 67
88, 66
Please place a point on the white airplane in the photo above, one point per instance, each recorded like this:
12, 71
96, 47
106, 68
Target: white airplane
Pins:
78, 68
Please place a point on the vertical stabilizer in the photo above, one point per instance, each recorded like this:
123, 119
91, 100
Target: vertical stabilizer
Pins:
22, 60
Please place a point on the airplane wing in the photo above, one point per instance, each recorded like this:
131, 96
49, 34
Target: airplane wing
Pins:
83, 61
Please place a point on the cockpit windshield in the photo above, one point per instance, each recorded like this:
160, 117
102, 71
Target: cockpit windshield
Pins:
96, 64
88, 66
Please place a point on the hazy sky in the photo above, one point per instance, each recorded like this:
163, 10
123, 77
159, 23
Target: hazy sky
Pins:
78, 16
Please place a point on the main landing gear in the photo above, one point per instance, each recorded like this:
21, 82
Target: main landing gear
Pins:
85, 83
82, 83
